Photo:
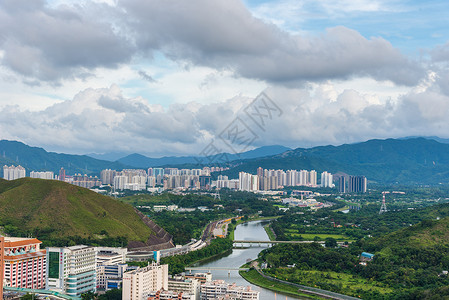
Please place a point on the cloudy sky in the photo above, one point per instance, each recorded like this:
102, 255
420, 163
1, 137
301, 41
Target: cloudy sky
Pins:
169, 77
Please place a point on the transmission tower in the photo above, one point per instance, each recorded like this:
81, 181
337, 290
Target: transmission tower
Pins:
383, 208
216, 195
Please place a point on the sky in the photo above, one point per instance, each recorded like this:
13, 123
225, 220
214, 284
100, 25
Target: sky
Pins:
183, 77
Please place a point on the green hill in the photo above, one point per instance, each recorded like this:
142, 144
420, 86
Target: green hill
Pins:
50, 209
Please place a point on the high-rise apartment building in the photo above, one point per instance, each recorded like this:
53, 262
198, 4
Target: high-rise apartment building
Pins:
107, 176
357, 184
342, 184
62, 174
72, 270
13, 173
327, 179
312, 178
139, 284
42, 175
248, 182
25, 263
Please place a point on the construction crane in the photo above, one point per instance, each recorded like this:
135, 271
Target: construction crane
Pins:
383, 207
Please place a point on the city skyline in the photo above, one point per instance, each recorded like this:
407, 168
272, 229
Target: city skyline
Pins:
164, 79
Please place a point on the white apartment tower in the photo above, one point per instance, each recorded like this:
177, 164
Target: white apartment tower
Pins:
326, 179
138, 284
312, 178
12, 172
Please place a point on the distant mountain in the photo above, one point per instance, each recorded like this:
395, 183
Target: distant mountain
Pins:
37, 159
109, 156
55, 209
414, 160
142, 161
435, 138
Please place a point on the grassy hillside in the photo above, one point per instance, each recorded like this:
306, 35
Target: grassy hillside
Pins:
56, 209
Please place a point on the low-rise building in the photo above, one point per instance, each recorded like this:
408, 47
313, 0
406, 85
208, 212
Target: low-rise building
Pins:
170, 295
201, 277
181, 284
111, 267
218, 289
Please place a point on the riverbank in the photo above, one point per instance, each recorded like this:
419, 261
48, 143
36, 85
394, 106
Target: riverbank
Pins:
252, 276
257, 277
270, 232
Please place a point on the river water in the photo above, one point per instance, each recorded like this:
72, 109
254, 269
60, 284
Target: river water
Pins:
250, 231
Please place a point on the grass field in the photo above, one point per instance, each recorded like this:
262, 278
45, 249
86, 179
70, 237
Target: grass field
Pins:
347, 283
253, 277
310, 236
269, 232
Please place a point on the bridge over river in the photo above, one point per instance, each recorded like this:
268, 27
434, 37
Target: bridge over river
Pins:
242, 243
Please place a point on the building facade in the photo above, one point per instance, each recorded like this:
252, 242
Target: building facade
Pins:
13, 173
139, 284
25, 263
71, 270
357, 184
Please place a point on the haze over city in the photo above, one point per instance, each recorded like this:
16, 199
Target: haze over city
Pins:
166, 78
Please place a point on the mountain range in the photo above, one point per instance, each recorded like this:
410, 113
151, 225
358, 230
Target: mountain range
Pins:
141, 161
405, 161
38, 159
390, 161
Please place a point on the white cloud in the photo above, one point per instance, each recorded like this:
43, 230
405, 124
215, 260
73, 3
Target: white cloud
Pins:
105, 120
72, 41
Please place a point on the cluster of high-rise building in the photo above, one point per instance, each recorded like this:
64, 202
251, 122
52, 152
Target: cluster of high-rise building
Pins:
275, 179
76, 270
169, 178
13, 172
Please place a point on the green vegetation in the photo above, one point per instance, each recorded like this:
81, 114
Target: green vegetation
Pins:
114, 294
184, 226
408, 263
254, 277
269, 232
178, 263
61, 213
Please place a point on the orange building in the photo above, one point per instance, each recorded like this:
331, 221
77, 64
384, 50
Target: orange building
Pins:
24, 263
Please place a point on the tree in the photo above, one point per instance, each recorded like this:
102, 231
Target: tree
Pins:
114, 294
88, 295
330, 242
27, 296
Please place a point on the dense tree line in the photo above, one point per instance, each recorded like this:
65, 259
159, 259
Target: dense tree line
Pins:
177, 263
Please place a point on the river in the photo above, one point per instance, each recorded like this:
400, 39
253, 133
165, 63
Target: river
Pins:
246, 231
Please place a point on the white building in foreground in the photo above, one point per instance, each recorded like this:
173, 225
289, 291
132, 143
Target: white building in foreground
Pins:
71, 270
141, 283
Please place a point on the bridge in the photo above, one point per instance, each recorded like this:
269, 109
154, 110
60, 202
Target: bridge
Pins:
271, 243
208, 269
214, 268
275, 242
